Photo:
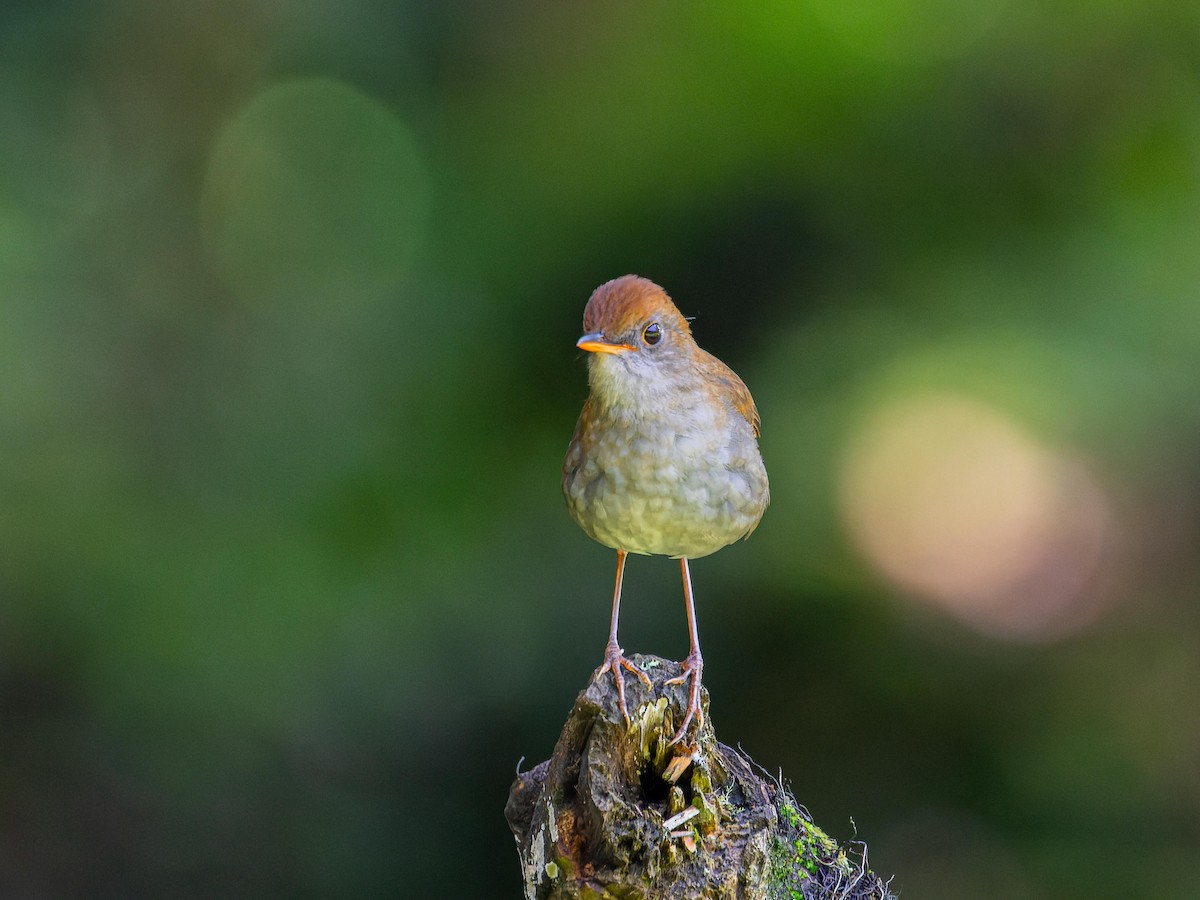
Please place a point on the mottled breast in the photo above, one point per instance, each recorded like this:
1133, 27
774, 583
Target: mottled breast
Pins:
684, 483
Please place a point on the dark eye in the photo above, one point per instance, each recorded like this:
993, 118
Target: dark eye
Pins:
652, 334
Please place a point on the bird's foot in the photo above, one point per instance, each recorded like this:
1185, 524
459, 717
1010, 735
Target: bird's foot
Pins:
615, 661
692, 667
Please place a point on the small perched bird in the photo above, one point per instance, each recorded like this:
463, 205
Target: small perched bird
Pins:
664, 459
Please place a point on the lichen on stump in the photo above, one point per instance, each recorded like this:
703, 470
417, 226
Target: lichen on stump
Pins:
617, 812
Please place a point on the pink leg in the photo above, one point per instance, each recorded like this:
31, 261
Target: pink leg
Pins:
694, 664
614, 661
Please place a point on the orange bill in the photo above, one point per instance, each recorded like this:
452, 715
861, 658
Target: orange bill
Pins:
596, 343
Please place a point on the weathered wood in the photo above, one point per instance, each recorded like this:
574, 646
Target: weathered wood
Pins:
616, 812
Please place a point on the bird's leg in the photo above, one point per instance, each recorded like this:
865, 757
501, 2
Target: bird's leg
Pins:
694, 664
614, 661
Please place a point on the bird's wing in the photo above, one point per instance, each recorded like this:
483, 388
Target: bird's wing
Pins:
738, 393
571, 460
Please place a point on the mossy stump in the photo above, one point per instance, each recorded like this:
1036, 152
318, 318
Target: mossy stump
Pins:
618, 813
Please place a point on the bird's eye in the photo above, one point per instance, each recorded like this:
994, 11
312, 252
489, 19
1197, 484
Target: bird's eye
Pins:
652, 334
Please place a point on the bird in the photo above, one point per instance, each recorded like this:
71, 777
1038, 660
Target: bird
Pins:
664, 459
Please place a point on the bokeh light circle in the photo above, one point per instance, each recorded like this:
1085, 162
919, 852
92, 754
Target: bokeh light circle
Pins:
314, 191
957, 505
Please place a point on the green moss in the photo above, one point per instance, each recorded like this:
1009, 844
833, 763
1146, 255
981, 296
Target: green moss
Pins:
706, 823
787, 868
803, 853
675, 800
813, 845
789, 814
565, 865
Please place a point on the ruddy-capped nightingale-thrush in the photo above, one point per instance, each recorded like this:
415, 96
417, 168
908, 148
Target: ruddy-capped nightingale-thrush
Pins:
664, 459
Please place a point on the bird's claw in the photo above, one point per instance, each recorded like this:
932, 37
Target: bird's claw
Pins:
615, 661
692, 667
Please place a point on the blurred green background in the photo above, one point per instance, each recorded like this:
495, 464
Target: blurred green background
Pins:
289, 296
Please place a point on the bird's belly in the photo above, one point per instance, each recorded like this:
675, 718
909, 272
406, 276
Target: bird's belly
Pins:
674, 496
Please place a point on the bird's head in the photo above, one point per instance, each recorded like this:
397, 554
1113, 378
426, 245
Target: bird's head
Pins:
637, 339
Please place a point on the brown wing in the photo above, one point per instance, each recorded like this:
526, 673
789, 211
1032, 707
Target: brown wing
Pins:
570, 463
737, 391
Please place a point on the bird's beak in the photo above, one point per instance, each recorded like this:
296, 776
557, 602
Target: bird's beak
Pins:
597, 343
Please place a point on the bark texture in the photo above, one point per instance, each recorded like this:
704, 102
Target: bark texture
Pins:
618, 813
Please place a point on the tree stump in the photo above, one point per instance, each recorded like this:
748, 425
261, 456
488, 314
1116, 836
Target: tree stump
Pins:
618, 813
